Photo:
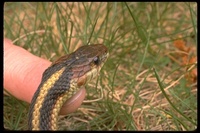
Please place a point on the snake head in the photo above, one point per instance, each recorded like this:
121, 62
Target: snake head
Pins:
83, 64
89, 61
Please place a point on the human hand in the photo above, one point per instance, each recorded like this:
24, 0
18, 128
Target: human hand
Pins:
23, 74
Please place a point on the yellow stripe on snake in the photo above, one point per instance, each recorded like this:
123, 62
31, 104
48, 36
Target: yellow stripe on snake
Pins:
61, 81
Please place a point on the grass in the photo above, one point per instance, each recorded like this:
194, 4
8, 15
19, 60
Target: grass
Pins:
145, 83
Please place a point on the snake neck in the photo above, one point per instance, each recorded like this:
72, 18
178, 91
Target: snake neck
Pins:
49, 99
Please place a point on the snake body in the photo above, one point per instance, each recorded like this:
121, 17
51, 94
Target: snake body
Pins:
61, 81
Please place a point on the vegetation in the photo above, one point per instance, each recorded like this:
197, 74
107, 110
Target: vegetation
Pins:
149, 81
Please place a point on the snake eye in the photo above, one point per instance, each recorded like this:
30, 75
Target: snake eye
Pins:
96, 60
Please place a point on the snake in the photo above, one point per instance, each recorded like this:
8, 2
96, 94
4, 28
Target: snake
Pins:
60, 81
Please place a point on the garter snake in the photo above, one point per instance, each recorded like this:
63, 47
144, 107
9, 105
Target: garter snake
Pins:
61, 81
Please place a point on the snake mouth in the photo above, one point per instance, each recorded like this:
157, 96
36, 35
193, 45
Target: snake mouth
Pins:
104, 58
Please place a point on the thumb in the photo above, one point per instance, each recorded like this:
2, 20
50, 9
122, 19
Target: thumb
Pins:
23, 73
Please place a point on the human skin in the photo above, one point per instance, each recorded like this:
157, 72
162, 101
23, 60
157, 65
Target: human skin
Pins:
23, 73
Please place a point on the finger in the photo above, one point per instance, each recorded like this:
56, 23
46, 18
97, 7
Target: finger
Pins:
23, 73
74, 102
